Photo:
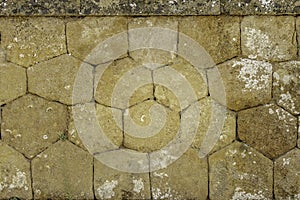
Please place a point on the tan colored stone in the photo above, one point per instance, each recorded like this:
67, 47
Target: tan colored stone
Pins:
269, 37
63, 171
269, 128
32, 40
156, 138
286, 85
14, 174
12, 82
30, 124
84, 35
299, 132
218, 35
240, 172
113, 184
54, 80
246, 82
287, 176
186, 178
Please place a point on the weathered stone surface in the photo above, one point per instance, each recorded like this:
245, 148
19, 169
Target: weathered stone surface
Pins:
287, 176
12, 82
106, 7
219, 36
299, 132
14, 174
84, 35
260, 7
32, 40
286, 85
269, 128
157, 135
30, 124
247, 83
175, 181
113, 184
240, 172
63, 171
269, 37
54, 80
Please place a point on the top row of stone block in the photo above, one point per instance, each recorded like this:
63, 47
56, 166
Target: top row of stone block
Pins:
148, 7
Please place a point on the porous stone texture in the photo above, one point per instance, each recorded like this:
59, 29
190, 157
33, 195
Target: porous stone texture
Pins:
247, 83
32, 40
113, 184
299, 132
269, 38
219, 36
42, 122
287, 176
269, 128
63, 171
286, 85
104, 7
85, 34
14, 174
174, 181
12, 82
54, 79
240, 172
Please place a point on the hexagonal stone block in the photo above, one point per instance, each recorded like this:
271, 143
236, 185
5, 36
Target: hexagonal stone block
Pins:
269, 128
175, 181
30, 124
240, 172
287, 176
84, 35
63, 171
14, 174
246, 82
54, 80
12, 82
269, 37
219, 36
32, 40
286, 85
113, 184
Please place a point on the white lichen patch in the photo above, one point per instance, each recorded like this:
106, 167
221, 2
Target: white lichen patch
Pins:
287, 101
106, 191
239, 194
160, 175
256, 75
166, 193
286, 161
138, 185
16, 181
268, 5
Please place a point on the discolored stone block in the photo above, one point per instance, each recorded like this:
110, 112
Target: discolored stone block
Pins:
240, 172
42, 122
54, 80
246, 83
14, 174
175, 181
269, 128
113, 184
286, 85
269, 38
32, 40
63, 171
219, 36
287, 175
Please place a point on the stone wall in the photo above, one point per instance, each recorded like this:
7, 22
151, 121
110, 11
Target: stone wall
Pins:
114, 99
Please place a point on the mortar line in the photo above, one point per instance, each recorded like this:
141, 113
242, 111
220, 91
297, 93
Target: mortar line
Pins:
123, 129
93, 179
31, 178
208, 177
1, 118
149, 174
240, 26
273, 179
66, 39
27, 85
297, 42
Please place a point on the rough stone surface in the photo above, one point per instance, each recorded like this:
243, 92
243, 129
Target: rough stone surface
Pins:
174, 182
63, 171
287, 176
14, 174
286, 86
219, 36
247, 83
113, 184
12, 82
273, 133
240, 172
106, 7
269, 38
299, 132
32, 40
42, 122
54, 79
